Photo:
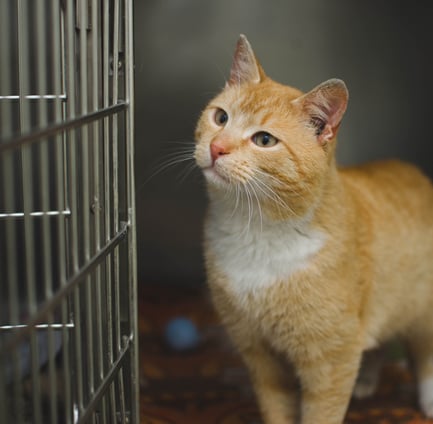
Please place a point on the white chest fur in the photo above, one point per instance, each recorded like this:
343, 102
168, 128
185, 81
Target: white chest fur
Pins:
259, 254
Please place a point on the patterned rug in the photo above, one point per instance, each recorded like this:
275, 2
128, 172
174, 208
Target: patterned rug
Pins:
209, 385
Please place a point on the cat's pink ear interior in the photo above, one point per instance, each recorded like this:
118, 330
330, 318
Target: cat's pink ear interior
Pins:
325, 106
245, 67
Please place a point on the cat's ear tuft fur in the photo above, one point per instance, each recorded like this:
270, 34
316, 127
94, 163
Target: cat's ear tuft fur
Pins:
245, 67
325, 106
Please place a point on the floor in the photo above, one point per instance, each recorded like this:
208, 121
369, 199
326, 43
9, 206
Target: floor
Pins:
209, 385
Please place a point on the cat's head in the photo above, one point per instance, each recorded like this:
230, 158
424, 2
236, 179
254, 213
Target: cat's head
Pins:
268, 141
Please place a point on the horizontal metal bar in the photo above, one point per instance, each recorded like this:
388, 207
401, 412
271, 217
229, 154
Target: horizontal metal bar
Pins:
15, 215
38, 326
66, 289
35, 97
50, 131
102, 388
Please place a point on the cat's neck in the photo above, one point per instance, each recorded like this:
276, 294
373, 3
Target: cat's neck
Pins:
247, 214
244, 210
256, 251
237, 208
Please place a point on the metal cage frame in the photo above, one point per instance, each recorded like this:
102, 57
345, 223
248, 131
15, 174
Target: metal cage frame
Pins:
68, 289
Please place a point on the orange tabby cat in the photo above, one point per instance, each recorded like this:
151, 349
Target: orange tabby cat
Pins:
310, 265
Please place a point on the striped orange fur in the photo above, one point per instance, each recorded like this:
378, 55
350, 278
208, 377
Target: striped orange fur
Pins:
310, 265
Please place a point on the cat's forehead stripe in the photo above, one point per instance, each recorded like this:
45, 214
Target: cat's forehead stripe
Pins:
266, 118
247, 107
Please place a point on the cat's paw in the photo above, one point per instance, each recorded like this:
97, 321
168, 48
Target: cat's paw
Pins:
364, 388
426, 396
368, 377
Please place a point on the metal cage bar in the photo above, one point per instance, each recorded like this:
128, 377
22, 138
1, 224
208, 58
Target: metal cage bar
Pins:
68, 290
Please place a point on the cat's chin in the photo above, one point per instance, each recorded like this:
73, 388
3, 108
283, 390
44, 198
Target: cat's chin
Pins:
214, 177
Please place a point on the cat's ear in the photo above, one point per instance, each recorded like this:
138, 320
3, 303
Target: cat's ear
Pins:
245, 67
324, 107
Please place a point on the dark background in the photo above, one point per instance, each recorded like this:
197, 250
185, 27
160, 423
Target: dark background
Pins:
382, 49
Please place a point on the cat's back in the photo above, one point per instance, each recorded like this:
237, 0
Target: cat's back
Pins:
391, 188
392, 206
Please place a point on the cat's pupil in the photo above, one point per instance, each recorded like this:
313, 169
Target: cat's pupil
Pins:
264, 139
221, 117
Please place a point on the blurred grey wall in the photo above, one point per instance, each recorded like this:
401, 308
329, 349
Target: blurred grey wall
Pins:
382, 49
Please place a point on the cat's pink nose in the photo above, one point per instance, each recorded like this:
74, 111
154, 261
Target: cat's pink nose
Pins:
217, 149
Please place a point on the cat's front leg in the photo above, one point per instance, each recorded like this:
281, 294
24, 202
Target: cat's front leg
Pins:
275, 385
327, 387
274, 381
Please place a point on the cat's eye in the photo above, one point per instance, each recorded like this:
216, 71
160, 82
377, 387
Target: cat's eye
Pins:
221, 117
264, 139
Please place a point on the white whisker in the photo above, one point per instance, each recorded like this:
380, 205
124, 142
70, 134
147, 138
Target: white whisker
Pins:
272, 195
169, 163
284, 185
269, 192
237, 196
259, 208
250, 208
185, 173
170, 160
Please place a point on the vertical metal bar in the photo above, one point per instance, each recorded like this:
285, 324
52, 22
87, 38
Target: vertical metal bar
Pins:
6, 62
8, 408
42, 120
28, 190
73, 187
97, 198
115, 159
43, 165
77, 185
85, 199
115, 129
115, 164
4, 404
132, 258
76, 298
59, 71
56, 71
106, 122
107, 31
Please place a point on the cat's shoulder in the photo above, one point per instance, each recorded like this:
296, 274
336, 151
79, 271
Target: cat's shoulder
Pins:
390, 168
386, 173
391, 183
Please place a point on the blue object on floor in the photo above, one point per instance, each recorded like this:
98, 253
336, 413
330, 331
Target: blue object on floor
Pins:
181, 334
